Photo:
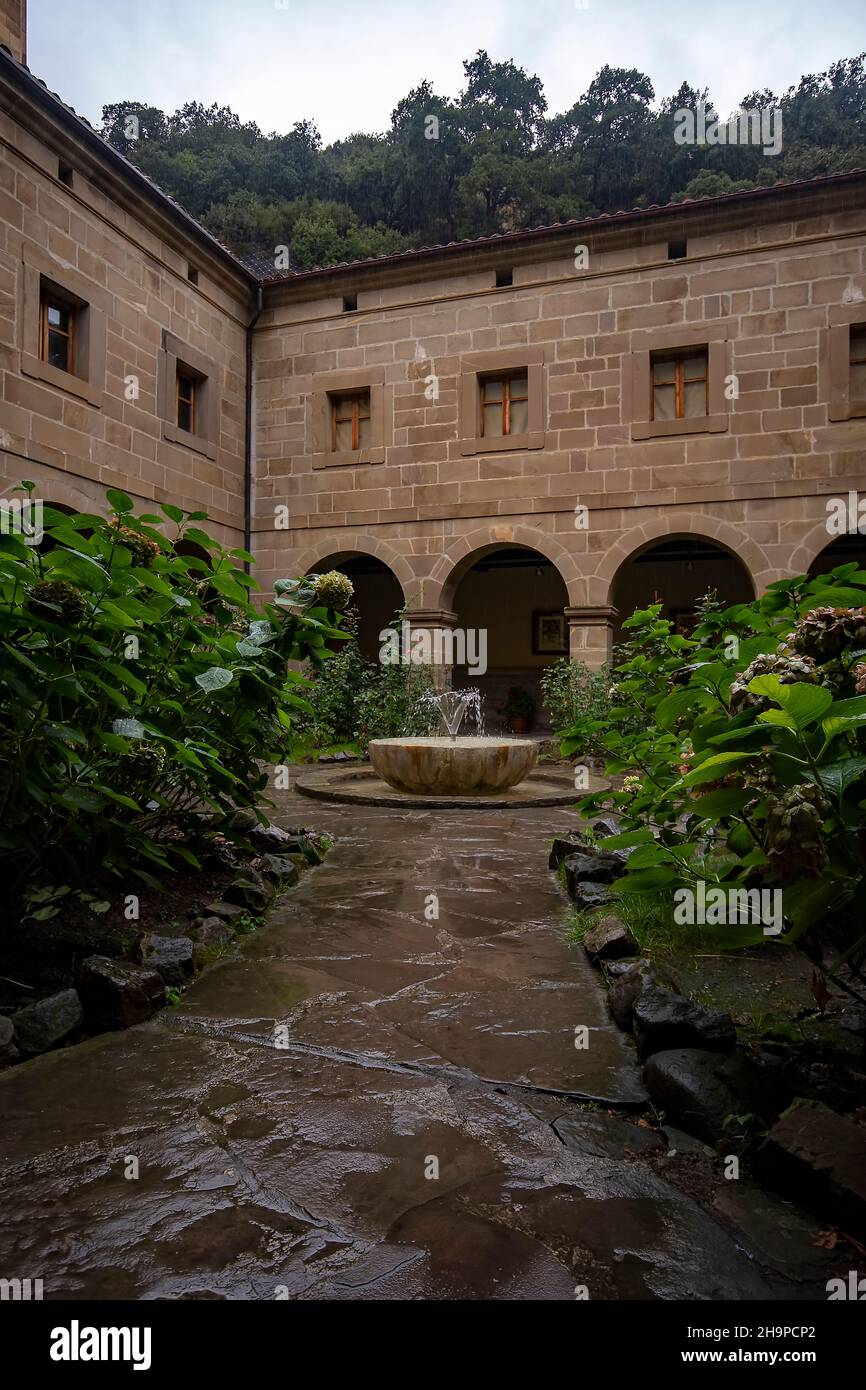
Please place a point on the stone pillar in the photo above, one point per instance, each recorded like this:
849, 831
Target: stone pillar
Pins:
590, 635
436, 622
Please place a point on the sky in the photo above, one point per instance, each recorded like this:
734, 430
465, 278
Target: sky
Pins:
346, 63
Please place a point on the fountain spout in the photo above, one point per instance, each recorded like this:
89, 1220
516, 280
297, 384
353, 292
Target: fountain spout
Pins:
451, 705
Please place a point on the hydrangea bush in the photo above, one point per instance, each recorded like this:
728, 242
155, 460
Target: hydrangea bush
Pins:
139, 685
746, 765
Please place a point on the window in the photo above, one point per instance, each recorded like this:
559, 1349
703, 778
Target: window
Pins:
187, 397
504, 406
504, 278
501, 401
350, 303
857, 363
192, 274
64, 173
677, 250
63, 327
350, 422
186, 393
672, 388
679, 385
349, 418
57, 334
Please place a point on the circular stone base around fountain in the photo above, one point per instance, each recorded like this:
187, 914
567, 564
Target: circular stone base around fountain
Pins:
361, 786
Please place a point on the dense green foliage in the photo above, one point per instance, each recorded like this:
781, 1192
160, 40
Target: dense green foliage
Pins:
499, 161
747, 766
352, 700
138, 687
571, 691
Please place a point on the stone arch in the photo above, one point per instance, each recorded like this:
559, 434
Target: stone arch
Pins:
348, 543
690, 525
809, 548
466, 550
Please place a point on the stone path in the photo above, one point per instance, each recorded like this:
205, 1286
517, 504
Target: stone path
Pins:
304, 1171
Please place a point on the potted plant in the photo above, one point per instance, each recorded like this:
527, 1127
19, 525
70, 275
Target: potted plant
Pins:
518, 709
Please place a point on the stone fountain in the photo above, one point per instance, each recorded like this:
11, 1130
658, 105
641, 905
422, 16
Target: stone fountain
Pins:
453, 765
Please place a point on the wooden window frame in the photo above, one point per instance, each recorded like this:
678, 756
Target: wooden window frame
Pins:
637, 389
182, 375
355, 417
49, 299
503, 363
680, 381
505, 402
41, 280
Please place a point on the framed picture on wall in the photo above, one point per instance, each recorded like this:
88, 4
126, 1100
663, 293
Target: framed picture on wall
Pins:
685, 620
549, 634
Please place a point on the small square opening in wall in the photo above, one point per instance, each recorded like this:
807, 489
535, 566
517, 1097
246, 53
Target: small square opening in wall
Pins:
350, 303
677, 250
192, 274
65, 172
504, 279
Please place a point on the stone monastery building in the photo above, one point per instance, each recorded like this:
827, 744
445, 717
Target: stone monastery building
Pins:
529, 433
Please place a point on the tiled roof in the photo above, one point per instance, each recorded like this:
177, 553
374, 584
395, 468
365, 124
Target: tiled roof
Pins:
260, 269
574, 224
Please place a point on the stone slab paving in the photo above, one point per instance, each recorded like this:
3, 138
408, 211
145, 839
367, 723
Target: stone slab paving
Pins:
303, 1171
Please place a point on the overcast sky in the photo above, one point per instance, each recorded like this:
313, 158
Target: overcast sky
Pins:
346, 63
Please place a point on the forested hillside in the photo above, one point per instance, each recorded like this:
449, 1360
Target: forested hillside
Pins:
499, 160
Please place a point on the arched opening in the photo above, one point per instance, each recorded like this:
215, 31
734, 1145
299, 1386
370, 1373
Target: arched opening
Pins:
378, 595
676, 573
842, 551
517, 598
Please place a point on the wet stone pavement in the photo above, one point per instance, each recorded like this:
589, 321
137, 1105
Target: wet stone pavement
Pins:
302, 1171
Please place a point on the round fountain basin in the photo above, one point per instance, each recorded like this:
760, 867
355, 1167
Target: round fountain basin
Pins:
453, 766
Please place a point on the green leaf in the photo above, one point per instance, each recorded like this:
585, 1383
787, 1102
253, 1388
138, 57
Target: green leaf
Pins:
844, 714
126, 677
626, 839
725, 801
646, 881
836, 777
173, 513
78, 799
716, 766
120, 501
214, 678
669, 710
778, 717
805, 703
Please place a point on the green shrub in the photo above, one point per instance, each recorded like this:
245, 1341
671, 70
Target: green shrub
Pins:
571, 691
744, 751
353, 700
138, 686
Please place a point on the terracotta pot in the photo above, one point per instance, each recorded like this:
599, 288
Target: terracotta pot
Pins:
518, 723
